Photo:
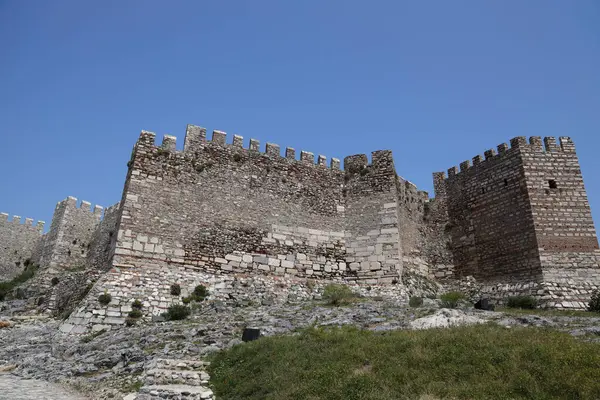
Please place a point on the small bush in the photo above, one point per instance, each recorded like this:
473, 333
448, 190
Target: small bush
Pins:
200, 293
237, 158
135, 313
523, 302
594, 304
451, 299
137, 305
415, 301
177, 312
338, 295
104, 299
175, 289
55, 281
130, 321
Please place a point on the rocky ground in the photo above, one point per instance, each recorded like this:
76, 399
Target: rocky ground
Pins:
167, 360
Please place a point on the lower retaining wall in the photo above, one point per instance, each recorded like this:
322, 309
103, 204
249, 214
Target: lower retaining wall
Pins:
152, 286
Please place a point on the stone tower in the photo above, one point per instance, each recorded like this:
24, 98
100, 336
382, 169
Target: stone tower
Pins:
520, 218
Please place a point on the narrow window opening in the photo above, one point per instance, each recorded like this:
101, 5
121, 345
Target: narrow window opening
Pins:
506, 182
552, 184
482, 190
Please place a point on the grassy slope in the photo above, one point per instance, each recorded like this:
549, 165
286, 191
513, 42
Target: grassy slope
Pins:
478, 362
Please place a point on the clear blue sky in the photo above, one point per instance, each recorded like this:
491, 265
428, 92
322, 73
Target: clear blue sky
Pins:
437, 82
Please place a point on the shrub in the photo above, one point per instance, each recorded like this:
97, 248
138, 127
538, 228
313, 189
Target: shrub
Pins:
55, 281
137, 305
200, 293
105, 298
28, 273
524, 302
177, 312
130, 321
451, 299
175, 289
415, 301
337, 294
237, 158
135, 313
594, 304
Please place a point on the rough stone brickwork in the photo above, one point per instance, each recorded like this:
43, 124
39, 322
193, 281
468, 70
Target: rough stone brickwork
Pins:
521, 217
18, 243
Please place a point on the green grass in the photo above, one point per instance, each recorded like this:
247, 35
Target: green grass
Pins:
477, 362
548, 312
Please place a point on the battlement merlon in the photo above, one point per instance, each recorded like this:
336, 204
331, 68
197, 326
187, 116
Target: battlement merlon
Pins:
98, 210
534, 144
195, 139
355, 163
169, 143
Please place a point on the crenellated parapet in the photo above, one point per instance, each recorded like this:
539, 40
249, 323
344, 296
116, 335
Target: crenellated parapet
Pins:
16, 221
196, 142
519, 143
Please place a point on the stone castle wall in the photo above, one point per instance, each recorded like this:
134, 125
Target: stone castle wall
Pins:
517, 220
18, 243
217, 207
